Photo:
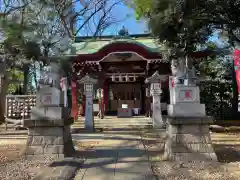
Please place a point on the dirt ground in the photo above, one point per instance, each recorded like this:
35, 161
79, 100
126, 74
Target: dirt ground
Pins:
227, 148
11, 149
226, 145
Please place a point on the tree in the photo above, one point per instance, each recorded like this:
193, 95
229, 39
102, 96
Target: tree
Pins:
38, 30
87, 18
173, 22
142, 8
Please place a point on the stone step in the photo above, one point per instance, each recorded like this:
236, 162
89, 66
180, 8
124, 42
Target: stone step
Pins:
115, 125
122, 119
109, 126
102, 125
140, 123
116, 121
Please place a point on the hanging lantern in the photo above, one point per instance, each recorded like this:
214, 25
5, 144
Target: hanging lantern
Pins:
113, 78
120, 78
127, 78
134, 77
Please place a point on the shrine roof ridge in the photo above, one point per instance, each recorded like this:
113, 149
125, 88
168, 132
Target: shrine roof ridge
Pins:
90, 45
109, 37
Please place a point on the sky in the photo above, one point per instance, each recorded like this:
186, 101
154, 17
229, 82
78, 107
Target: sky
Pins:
124, 17
127, 19
129, 22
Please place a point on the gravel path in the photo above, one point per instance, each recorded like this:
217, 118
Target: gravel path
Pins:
16, 170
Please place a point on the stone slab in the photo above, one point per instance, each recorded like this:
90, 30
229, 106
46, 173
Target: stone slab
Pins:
46, 131
63, 169
49, 96
48, 122
43, 157
44, 113
194, 129
190, 138
123, 158
186, 109
183, 120
53, 149
45, 140
191, 148
179, 91
98, 168
193, 156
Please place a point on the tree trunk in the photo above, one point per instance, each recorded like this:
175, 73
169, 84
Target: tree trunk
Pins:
35, 74
25, 74
3, 93
235, 94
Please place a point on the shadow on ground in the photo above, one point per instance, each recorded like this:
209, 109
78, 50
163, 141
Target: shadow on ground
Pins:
227, 153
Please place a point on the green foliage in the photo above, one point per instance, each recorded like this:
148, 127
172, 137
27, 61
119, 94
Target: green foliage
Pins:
198, 16
142, 8
217, 96
179, 24
15, 76
216, 90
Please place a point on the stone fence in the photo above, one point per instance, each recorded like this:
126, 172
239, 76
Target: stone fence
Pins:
18, 107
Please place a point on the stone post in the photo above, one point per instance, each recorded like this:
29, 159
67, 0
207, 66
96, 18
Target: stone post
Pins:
155, 90
49, 125
188, 137
88, 83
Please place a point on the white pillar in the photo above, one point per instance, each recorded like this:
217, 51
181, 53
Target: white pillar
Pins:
157, 112
155, 81
88, 83
89, 124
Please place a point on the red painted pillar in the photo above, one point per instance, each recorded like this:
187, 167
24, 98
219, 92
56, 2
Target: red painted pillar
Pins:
83, 104
105, 95
74, 99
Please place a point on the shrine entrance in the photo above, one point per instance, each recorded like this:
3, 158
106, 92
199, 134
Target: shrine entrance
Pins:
129, 94
121, 67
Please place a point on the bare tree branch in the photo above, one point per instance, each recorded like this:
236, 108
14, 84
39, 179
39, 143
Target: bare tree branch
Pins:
90, 16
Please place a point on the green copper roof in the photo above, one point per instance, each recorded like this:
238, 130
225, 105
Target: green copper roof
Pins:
90, 45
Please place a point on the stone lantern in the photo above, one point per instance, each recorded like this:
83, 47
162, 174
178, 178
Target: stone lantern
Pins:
155, 90
88, 83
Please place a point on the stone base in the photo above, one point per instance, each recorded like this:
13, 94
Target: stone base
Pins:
49, 138
44, 113
188, 139
192, 109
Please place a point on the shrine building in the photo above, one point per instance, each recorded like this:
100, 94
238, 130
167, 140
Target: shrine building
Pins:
120, 64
